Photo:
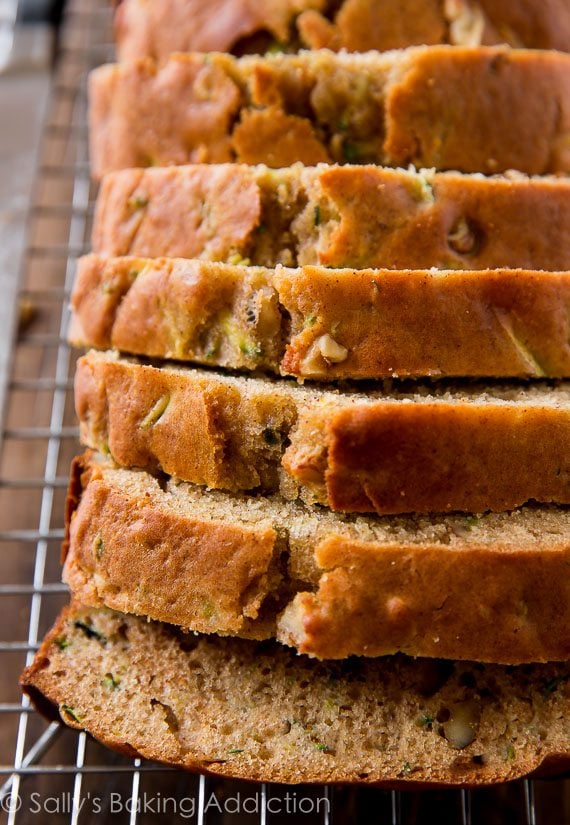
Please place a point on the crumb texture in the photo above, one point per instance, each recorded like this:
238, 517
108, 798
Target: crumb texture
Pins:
255, 711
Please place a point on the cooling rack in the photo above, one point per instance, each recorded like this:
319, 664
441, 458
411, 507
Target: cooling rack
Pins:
47, 770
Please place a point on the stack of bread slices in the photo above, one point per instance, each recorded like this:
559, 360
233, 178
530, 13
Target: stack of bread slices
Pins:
321, 531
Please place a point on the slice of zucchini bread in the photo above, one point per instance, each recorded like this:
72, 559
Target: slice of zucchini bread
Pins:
339, 216
428, 449
493, 588
399, 108
256, 711
329, 325
157, 29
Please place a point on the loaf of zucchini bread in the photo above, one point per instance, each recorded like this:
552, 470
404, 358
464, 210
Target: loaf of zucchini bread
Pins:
323, 324
156, 29
493, 588
339, 216
470, 109
427, 449
256, 711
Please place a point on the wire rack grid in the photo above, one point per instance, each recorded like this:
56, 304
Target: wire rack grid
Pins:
48, 770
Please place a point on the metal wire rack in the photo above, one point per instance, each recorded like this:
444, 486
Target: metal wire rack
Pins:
46, 769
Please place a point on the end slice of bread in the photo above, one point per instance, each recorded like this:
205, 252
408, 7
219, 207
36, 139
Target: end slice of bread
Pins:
257, 711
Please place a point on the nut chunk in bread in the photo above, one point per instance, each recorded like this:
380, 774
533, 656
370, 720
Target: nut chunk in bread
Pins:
337, 216
493, 588
256, 711
428, 450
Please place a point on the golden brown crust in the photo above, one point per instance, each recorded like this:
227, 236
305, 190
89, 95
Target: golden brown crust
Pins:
445, 457
407, 107
208, 212
372, 595
542, 26
418, 323
500, 598
501, 98
214, 314
149, 418
199, 430
495, 323
368, 217
388, 219
268, 716
194, 132
163, 565
354, 453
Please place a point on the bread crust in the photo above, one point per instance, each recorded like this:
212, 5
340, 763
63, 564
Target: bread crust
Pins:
405, 107
157, 29
356, 597
231, 451
488, 213
354, 453
434, 453
178, 560
175, 206
501, 598
368, 217
159, 678
492, 323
